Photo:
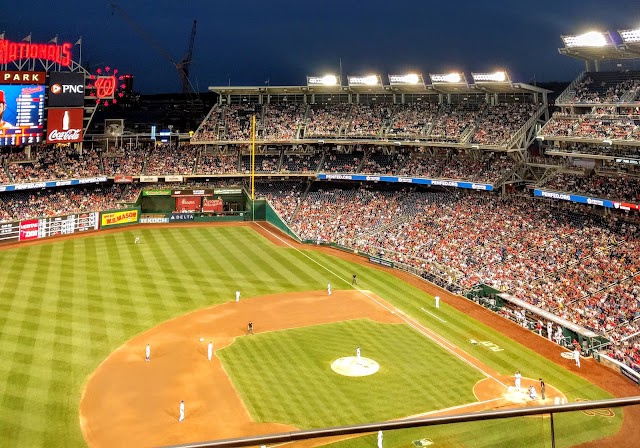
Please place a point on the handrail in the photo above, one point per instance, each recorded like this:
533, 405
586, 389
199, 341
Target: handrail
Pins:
285, 437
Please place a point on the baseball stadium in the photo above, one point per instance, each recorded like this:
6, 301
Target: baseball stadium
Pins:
409, 260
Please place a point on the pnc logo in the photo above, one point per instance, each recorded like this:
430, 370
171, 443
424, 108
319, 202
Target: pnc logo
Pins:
66, 88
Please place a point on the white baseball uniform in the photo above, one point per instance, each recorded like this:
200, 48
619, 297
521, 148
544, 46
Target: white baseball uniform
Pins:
237, 296
329, 288
437, 301
181, 411
147, 353
137, 240
358, 353
549, 330
576, 356
518, 379
210, 350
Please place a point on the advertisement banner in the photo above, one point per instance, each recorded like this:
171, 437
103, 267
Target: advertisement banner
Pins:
120, 179
10, 232
66, 89
153, 220
228, 191
574, 198
29, 229
173, 178
208, 192
411, 180
182, 217
188, 204
212, 205
148, 178
115, 218
156, 193
65, 125
13, 77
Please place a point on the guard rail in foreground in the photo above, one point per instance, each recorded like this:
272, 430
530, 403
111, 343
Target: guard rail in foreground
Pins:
551, 410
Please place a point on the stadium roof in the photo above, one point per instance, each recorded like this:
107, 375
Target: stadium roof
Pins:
595, 45
434, 89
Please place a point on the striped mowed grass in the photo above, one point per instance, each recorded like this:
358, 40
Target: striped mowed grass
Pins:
65, 305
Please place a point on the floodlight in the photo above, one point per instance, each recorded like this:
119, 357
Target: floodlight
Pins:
499, 76
369, 80
453, 77
590, 39
409, 78
449, 77
630, 36
326, 80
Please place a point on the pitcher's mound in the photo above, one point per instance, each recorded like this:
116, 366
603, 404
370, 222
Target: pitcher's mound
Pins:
352, 366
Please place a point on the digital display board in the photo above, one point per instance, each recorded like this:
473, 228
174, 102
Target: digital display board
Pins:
21, 114
66, 89
9, 232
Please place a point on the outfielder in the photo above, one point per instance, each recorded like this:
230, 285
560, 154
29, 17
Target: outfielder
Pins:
210, 350
147, 353
237, 296
437, 301
358, 353
518, 378
181, 411
137, 240
329, 288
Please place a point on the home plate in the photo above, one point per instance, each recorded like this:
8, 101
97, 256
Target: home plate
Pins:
352, 366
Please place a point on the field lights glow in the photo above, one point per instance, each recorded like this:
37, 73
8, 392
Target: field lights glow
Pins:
590, 39
369, 80
410, 78
498, 76
326, 80
630, 36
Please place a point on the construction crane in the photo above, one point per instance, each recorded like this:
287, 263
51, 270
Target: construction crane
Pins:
185, 63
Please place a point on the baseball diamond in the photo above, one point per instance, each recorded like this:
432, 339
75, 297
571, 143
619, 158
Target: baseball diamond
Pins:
175, 292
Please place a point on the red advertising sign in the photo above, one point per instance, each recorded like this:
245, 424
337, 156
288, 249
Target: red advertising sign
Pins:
120, 179
626, 206
16, 51
29, 229
65, 125
212, 205
188, 204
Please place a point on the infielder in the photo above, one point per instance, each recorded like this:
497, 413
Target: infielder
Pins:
237, 296
147, 353
210, 350
329, 288
532, 392
250, 328
518, 379
358, 353
576, 356
181, 411
437, 301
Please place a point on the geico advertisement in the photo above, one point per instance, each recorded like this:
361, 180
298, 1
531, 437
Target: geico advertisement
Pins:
121, 217
65, 125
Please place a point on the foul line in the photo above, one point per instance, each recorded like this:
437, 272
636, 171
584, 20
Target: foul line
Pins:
406, 318
441, 320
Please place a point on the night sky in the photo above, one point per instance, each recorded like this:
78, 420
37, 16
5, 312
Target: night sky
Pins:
249, 42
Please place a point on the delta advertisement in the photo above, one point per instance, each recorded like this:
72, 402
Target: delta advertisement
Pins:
120, 217
586, 200
408, 180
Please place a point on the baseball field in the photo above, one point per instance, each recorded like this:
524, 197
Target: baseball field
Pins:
76, 315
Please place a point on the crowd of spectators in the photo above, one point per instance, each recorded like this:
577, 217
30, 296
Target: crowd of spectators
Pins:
381, 161
412, 120
594, 92
172, 159
606, 187
499, 123
63, 201
209, 129
217, 163
264, 163
326, 120
284, 195
451, 121
301, 163
342, 163
55, 163
125, 161
368, 120
282, 121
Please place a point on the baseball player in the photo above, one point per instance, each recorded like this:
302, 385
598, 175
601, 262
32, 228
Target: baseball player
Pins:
237, 296
532, 392
210, 350
3, 107
437, 301
137, 240
518, 378
147, 353
250, 328
181, 411
358, 354
576, 356
543, 389
329, 288
355, 280
549, 330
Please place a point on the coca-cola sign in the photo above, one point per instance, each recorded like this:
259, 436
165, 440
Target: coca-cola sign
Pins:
65, 125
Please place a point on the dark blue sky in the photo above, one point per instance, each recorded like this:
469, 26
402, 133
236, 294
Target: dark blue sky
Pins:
283, 41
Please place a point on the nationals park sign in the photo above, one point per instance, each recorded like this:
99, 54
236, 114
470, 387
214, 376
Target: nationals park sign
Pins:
16, 51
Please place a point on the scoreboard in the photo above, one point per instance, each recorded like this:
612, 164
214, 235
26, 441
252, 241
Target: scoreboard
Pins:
22, 98
32, 229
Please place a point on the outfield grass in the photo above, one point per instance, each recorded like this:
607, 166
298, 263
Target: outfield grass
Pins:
65, 305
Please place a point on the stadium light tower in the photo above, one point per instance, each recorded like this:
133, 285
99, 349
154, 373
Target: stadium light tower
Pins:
326, 80
593, 47
630, 36
588, 39
365, 81
498, 76
410, 79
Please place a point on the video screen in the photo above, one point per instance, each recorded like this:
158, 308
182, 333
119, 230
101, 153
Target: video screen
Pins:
21, 114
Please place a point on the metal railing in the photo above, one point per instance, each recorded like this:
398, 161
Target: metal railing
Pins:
287, 437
